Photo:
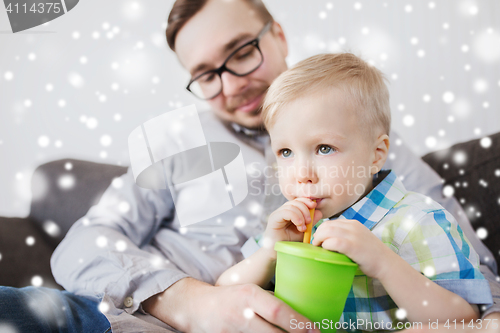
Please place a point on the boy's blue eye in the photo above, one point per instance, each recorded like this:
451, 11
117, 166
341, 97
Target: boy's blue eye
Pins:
325, 150
285, 153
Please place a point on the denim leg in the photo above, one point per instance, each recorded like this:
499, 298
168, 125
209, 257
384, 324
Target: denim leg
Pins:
41, 310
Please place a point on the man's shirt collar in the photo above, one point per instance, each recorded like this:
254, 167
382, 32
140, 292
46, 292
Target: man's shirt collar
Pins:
247, 131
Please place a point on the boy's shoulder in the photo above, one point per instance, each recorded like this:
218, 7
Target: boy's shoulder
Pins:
417, 208
415, 218
419, 202
391, 194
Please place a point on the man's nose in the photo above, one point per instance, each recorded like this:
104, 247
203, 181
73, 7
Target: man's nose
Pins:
232, 84
305, 172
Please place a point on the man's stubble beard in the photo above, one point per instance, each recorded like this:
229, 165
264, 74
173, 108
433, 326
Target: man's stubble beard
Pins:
238, 101
232, 107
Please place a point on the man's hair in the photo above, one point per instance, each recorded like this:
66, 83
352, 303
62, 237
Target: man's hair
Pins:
183, 10
362, 84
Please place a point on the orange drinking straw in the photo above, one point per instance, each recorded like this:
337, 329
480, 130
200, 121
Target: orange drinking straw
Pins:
308, 232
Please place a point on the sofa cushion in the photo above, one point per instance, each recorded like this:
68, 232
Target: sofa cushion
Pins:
472, 171
21, 260
64, 190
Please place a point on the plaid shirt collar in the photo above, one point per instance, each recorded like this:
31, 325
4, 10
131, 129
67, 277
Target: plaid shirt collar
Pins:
375, 205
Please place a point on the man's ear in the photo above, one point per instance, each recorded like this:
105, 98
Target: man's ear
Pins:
380, 153
278, 32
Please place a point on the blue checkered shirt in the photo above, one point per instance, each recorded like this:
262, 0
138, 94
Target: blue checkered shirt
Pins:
425, 235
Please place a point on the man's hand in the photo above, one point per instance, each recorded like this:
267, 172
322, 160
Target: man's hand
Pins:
190, 305
288, 222
356, 241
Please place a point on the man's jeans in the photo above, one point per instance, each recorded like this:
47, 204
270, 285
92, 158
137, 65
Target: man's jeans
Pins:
38, 309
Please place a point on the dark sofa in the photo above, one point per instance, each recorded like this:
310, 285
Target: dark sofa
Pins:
19, 262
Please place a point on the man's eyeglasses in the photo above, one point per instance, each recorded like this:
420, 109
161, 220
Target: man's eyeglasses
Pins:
242, 61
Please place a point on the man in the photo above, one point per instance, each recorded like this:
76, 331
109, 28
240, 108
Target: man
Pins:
145, 269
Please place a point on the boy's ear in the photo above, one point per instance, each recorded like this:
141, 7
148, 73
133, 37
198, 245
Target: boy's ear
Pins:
380, 154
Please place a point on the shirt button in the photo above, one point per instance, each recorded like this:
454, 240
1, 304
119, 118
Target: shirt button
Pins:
128, 302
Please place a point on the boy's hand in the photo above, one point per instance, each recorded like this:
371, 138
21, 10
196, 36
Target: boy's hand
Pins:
356, 241
288, 222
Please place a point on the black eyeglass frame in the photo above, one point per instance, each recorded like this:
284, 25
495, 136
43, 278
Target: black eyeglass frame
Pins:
223, 68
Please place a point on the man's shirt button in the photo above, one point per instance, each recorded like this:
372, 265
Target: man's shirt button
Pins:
128, 302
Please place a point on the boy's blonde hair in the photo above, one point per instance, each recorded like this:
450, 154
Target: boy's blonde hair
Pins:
362, 83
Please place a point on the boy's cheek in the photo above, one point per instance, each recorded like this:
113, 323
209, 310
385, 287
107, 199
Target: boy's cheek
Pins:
287, 189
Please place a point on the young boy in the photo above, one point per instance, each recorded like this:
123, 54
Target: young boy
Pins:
329, 120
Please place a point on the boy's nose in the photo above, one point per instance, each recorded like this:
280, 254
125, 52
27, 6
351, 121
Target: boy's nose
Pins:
305, 173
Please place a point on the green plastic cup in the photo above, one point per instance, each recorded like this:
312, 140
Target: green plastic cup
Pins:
315, 282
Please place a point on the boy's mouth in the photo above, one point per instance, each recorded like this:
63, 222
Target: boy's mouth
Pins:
318, 200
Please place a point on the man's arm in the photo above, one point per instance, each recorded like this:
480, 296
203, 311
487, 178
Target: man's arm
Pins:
104, 252
241, 308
